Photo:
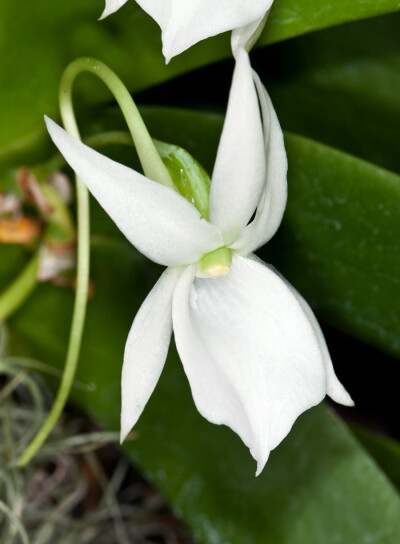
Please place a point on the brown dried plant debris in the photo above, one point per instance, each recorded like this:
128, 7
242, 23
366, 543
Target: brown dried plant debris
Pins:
79, 488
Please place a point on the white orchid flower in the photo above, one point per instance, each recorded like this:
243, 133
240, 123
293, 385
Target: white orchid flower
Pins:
186, 22
250, 345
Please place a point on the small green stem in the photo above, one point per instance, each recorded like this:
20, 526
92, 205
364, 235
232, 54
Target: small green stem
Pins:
152, 164
16, 294
153, 167
82, 284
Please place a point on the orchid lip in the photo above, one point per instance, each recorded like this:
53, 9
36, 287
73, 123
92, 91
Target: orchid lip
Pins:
215, 264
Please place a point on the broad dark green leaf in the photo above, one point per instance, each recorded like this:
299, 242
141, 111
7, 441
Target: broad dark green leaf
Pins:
37, 43
290, 18
340, 87
319, 485
339, 241
384, 450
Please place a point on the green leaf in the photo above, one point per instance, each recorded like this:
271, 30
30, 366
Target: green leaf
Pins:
129, 41
290, 18
338, 243
384, 450
318, 486
339, 240
340, 87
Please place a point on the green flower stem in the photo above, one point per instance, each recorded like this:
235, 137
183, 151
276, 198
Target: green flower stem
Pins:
152, 164
153, 167
60, 224
82, 283
16, 294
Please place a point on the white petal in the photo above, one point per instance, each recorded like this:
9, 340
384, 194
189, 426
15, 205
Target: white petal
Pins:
245, 37
111, 7
249, 352
273, 200
186, 22
146, 349
334, 388
158, 221
239, 172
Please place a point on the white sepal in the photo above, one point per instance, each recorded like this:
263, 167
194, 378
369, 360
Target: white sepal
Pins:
146, 349
273, 200
333, 386
186, 22
111, 7
245, 37
249, 352
239, 171
158, 221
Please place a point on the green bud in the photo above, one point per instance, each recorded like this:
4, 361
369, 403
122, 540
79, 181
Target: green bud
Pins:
189, 177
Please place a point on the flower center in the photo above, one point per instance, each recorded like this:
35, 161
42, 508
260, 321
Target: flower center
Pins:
215, 264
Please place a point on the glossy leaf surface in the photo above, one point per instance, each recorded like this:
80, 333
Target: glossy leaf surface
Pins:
31, 69
319, 485
384, 450
340, 87
339, 240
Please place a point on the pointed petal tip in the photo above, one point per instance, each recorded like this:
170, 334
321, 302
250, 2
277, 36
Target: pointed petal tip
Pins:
111, 7
107, 11
168, 52
56, 132
348, 402
261, 464
125, 430
345, 399
53, 129
261, 457
50, 125
126, 424
338, 393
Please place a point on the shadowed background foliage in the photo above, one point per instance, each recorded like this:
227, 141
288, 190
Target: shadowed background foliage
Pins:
336, 92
